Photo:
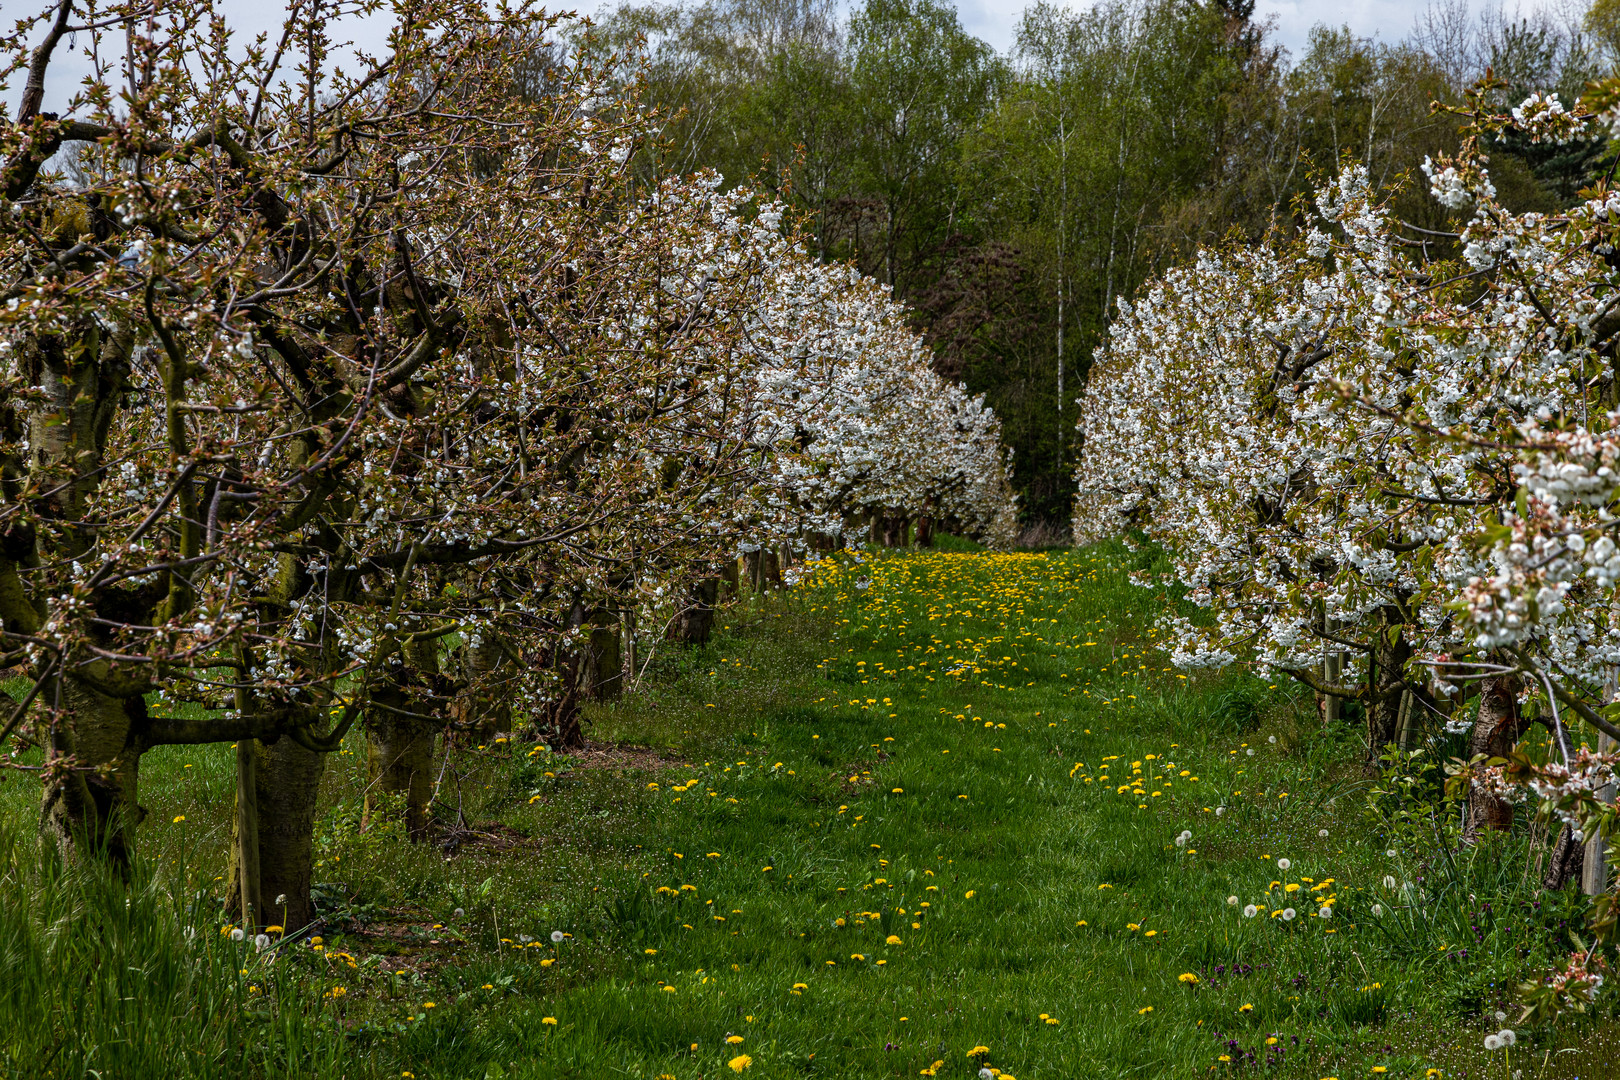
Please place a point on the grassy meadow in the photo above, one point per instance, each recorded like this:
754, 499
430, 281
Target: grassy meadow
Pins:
917, 817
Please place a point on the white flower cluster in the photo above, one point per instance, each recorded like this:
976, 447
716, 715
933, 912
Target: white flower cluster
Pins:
1365, 456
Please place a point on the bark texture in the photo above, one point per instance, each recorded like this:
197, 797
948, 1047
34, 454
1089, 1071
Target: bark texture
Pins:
286, 788
92, 774
604, 660
1497, 730
695, 621
1386, 685
1567, 861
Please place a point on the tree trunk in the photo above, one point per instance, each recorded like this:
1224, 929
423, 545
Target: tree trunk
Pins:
1568, 855
481, 707
730, 578
92, 771
695, 622
604, 675
399, 761
286, 788
399, 747
770, 569
1386, 684
895, 527
925, 531
1568, 860
753, 566
1497, 730
560, 725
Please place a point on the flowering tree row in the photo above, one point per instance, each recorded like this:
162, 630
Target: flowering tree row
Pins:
1384, 461
360, 397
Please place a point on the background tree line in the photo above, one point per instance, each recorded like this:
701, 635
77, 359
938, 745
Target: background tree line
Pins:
1012, 199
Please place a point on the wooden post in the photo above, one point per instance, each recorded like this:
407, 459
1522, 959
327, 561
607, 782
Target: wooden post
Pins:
1332, 672
1406, 723
1595, 865
247, 835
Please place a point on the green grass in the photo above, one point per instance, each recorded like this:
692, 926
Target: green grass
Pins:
909, 746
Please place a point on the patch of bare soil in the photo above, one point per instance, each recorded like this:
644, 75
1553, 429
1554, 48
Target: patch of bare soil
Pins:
610, 756
488, 838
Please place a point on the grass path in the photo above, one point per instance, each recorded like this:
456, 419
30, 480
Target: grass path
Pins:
918, 818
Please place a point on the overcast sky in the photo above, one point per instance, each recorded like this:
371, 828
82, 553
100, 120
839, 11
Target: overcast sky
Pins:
992, 20
996, 20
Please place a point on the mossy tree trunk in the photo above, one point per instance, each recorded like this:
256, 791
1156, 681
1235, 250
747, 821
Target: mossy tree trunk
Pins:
400, 741
285, 786
604, 662
92, 773
694, 623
